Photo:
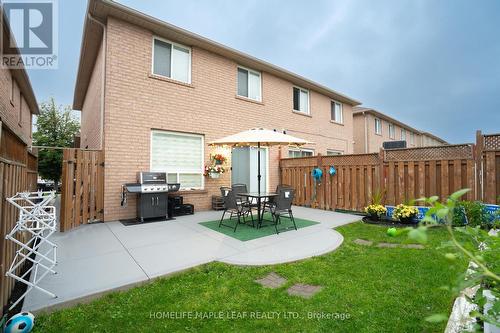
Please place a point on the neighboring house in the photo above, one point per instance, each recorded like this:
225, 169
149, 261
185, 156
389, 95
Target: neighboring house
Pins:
372, 128
17, 99
153, 95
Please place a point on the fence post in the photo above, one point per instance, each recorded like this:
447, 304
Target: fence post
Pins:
381, 172
478, 156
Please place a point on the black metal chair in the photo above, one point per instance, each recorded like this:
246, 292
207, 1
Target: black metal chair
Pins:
282, 207
242, 188
271, 202
232, 206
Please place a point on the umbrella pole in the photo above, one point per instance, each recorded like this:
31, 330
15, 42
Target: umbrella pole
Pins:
258, 165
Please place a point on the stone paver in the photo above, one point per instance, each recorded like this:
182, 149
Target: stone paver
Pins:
387, 245
363, 242
414, 246
304, 290
272, 280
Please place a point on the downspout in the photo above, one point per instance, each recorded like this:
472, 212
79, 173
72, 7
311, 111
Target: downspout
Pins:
366, 132
103, 75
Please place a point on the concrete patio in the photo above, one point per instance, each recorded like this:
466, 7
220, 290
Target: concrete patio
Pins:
94, 259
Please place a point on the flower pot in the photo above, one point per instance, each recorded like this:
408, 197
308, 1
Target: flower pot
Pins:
217, 162
214, 175
374, 217
407, 220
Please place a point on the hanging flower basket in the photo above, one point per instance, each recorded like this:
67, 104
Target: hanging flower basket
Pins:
214, 175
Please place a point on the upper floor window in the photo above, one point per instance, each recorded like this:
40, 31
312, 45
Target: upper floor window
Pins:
300, 100
300, 152
333, 152
392, 133
378, 126
403, 134
412, 138
171, 60
249, 84
337, 113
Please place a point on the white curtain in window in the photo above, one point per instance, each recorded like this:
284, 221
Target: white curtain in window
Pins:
304, 101
254, 86
180, 64
177, 153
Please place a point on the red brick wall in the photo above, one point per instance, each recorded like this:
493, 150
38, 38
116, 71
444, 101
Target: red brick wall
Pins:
91, 110
137, 102
15, 112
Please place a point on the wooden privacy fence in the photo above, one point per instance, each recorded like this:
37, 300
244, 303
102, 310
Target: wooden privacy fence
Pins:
82, 190
17, 174
401, 174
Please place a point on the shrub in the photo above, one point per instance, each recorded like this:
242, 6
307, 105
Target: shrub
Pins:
476, 214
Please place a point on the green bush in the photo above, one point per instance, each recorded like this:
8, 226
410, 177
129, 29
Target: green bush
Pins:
476, 214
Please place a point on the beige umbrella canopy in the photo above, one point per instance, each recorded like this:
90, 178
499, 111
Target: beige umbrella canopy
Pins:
259, 137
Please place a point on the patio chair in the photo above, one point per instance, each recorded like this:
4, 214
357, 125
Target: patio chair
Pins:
242, 188
282, 207
234, 208
271, 201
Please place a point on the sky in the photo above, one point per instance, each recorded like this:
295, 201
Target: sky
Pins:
434, 65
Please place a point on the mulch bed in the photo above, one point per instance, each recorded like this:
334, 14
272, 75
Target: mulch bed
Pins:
389, 222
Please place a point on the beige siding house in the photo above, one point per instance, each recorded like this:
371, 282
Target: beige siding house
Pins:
372, 128
153, 95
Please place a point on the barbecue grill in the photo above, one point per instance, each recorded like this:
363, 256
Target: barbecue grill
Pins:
152, 190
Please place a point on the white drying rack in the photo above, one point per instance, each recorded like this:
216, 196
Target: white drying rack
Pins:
37, 221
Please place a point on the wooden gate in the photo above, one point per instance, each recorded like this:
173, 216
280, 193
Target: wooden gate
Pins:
82, 189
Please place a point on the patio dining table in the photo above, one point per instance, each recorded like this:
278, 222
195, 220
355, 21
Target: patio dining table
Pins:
260, 197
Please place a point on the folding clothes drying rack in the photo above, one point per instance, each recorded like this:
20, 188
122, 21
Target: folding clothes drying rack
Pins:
37, 222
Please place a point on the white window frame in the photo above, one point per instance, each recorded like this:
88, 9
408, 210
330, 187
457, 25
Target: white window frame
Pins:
335, 152
248, 83
403, 134
171, 58
202, 166
300, 150
412, 138
392, 131
341, 121
378, 129
308, 111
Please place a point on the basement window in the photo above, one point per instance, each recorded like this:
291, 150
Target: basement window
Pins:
171, 60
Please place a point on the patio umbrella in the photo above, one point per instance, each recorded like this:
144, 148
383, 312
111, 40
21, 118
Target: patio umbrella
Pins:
258, 137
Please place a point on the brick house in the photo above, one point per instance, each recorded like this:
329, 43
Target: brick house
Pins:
152, 95
372, 128
18, 103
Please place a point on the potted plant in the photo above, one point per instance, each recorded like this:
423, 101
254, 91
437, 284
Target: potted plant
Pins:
213, 171
219, 159
405, 213
375, 211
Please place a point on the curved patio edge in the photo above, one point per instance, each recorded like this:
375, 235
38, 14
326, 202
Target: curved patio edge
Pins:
299, 248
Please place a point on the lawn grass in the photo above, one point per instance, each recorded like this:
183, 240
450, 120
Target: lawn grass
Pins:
381, 290
245, 232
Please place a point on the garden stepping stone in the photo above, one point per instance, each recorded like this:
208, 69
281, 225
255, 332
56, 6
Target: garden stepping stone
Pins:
272, 280
363, 242
414, 246
387, 245
304, 290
